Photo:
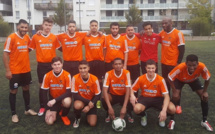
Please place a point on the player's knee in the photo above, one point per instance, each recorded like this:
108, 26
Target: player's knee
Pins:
137, 109
78, 105
13, 91
92, 124
50, 121
171, 108
25, 88
67, 102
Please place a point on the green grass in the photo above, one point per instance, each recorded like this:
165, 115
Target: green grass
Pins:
188, 122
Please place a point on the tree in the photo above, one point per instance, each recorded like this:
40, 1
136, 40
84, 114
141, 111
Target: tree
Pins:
5, 28
200, 21
59, 14
133, 16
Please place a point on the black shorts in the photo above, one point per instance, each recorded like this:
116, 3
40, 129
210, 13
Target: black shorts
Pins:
134, 71
92, 110
97, 68
22, 79
108, 67
195, 85
117, 99
165, 70
148, 102
143, 67
71, 67
56, 107
42, 69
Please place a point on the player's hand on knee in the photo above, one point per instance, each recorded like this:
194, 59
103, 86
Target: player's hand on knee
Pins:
90, 104
51, 102
86, 109
204, 96
162, 115
133, 100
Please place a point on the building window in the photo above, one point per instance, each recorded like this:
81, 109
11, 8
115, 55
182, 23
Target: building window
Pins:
141, 12
17, 15
29, 14
108, 1
174, 1
151, 1
120, 1
174, 12
120, 13
150, 12
162, 12
28, 4
91, 13
79, 13
108, 13
44, 14
16, 3
131, 1
81, 1
91, 2
162, 1
141, 1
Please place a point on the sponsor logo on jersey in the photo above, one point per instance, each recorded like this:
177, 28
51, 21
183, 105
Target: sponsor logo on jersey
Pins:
45, 45
118, 85
150, 91
22, 47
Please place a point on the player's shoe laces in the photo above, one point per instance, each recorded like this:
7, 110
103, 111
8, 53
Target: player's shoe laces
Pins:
171, 125
65, 120
98, 104
15, 118
130, 119
41, 111
30, 112
178, 109
207, 126
76, 123
107, 119
162, 123
144, 121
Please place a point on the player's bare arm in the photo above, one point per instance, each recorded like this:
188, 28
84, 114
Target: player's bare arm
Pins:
133, 99
123, 110
204, 95
6, 59
110, 108
163, 113
126, 60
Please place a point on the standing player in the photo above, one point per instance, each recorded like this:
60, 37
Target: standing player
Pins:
86, 92
45, 45
149, 49
172, 50
17, 65
94, 45
188, 73
134, 47
72, 42
58, 82
116, 47
154, 93
118, 82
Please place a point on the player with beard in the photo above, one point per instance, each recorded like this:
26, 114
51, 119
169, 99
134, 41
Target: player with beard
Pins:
17, 64
116, 47
94, 45
45, 45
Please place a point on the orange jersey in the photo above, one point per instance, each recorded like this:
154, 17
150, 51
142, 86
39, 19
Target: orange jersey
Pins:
155, 88
45, 47
72, 46
115, 47
17, 47
87, 89
94, 47
57, 85
133, 50
119, 83
170, 42
180, 72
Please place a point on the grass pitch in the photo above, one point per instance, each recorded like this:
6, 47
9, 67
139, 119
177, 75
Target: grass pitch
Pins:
188, 122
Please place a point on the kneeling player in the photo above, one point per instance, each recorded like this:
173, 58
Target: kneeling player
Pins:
154, 93
58, 82
188, 73
86, 92
119, 81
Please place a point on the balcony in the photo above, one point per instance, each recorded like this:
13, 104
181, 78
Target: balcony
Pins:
4, 7
145, 18
51, 6
144, 6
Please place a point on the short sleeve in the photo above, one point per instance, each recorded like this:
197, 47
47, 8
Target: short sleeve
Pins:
7, 45
33, 44
73, 87
163, 87
106, 80
68, 81
45, 84
135, 87
180, 39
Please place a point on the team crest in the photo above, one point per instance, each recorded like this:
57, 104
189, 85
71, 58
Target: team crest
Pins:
170, 38
25, 42
133, 43
155, 86
60, 81
88, 87
99, 39
74, 38
118, 42
122, 80
50, 40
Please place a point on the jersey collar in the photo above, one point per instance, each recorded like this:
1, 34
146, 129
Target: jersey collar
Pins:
130, 38
152, 79
87, 79
116, 37
46, 35
71, 36
19, 35
57, 75
119, 75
